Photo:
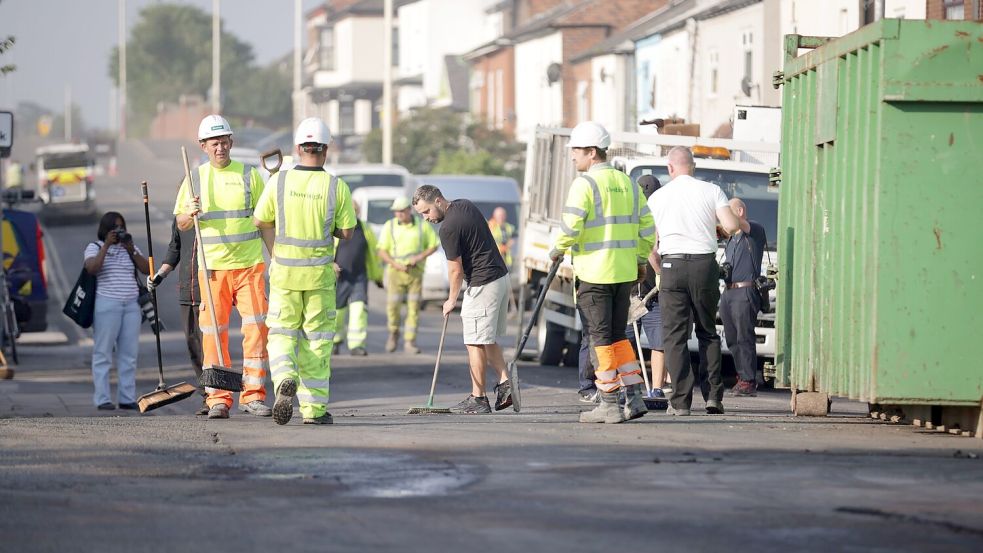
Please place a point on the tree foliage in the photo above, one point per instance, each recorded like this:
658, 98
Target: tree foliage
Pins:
440, 140
169, 53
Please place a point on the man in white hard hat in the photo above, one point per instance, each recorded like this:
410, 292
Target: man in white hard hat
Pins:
608, 228
233, 250
405, 242
308, 208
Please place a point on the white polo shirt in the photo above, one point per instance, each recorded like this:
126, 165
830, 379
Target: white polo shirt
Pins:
685, 213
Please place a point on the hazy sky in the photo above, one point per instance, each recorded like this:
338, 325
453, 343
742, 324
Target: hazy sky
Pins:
67, 43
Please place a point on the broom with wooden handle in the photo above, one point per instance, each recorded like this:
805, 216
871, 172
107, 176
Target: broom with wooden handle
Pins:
164, 394
212, 376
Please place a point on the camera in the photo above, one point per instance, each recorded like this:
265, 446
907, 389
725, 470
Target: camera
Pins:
726, 271
122, 236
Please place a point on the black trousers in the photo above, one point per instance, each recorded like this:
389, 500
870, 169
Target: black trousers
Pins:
192, 335
605, 308
739, 312
688, 293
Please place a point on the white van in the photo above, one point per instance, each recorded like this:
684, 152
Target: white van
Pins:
487, 193
374, 203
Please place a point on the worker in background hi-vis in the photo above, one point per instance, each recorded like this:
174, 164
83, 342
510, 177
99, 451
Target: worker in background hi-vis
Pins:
234, 256
405, 242
503, 231
308, 208
356, 263
608, 228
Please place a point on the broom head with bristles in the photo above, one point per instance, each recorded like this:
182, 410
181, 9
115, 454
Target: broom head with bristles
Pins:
221, 378
165, 396
428, 411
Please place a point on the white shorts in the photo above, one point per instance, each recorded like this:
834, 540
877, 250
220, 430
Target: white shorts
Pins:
485, 311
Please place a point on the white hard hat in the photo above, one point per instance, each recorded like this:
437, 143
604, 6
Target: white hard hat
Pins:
312, 130
589, 134
212, 126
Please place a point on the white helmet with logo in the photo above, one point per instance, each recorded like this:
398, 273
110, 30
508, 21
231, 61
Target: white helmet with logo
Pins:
212, 126
312, 130
589, 134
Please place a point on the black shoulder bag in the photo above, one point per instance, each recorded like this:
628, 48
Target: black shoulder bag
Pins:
81, 304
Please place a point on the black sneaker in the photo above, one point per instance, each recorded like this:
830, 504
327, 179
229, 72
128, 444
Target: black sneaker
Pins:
503, 395
472, 406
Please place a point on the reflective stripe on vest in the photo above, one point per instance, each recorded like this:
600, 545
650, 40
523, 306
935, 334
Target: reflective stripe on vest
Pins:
247, 180
281, 232
419, 238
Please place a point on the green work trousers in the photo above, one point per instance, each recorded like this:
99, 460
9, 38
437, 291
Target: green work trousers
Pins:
353, 324
403, 288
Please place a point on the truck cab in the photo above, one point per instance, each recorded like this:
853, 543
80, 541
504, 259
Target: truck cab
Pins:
65, 180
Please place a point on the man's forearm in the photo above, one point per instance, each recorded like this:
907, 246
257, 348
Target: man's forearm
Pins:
267, 235
455, 279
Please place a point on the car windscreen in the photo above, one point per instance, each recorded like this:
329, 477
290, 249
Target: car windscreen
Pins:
66, 161
378, 212
359, 180
752, 188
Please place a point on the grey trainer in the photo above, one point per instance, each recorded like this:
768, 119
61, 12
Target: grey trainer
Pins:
677, 412
283, 407
715, 407
634, 402
607, 411
218, 411
257, 408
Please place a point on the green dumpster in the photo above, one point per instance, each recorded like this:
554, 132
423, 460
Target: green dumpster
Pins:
881, 232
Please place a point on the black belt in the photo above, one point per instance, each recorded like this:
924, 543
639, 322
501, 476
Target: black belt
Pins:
687, 256
742, 284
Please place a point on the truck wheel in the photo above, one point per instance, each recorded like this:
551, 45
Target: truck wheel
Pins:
571, 357
551, 341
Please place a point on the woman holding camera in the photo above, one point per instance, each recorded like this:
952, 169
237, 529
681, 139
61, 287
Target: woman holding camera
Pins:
115, 260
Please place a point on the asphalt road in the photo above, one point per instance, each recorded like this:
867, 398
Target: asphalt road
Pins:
757, 479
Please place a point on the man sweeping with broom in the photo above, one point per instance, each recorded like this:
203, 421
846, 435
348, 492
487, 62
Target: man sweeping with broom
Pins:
308, 208
232, 247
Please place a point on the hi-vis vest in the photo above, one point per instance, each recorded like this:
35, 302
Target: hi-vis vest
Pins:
607, 226
228, 235
307, 210
402, 242
502, 233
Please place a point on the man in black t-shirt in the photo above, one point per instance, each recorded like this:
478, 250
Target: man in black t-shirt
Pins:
740, 302
473, 256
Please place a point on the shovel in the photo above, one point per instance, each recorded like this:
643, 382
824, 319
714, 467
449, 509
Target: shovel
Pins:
513, 366
271, 168
164, 394
212, 376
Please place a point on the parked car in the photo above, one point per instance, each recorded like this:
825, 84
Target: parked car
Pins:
487, 193
374, 203
23, 261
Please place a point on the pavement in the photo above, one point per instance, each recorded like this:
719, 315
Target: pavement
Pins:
76, 479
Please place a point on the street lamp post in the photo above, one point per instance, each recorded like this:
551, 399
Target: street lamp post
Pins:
387, 84
122, 69
216, 57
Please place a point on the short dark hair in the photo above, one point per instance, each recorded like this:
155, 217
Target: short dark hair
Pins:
427, 193
108, 223
649, 184
601, 153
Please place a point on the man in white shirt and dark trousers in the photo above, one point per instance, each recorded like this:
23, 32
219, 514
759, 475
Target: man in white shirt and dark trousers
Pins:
686, 212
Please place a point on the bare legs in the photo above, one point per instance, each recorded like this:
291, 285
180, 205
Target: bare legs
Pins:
480, 357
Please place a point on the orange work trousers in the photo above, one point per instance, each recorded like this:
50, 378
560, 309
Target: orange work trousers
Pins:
246, 290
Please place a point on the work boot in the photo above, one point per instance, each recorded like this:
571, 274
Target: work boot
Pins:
335, 349
283, 407
410, 347
218, 411
391, 342
323, 419
744, 388
607, 411
634, 402
678, 412
503, 395
359, 352
203, 410
257, 408
715, 407
472, 406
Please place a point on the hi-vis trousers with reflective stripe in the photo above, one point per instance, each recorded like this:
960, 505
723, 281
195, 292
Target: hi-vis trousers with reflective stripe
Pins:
302, 326
246, 290
605, 306
403, 288
353, 324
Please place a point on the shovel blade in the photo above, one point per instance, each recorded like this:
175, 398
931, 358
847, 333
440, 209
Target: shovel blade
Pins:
516, 393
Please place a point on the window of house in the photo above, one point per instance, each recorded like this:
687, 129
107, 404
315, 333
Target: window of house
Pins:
395, 33
954, 9
748, 41
326, 49
500, 100
346, 116
583, 101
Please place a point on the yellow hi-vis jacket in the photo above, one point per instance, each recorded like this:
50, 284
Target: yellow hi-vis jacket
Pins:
502, 233
228, 196
306, 206
402, 242
607, 226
